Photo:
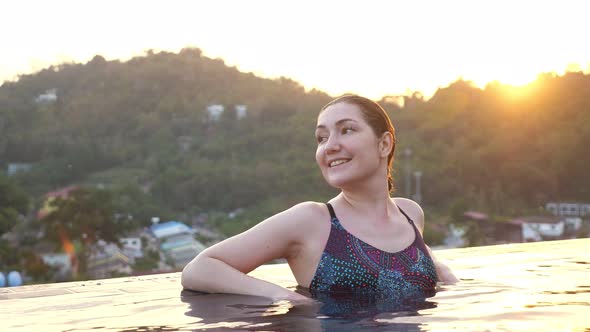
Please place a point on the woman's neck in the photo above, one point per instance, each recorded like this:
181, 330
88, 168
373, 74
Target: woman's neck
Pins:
373, 201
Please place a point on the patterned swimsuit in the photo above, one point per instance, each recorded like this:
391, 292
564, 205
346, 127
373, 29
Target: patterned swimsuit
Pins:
350, 266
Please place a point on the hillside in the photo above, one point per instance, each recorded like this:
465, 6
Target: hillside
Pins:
141, 129
143, 124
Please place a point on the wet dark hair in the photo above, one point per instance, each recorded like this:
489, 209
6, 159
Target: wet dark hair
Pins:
377, 119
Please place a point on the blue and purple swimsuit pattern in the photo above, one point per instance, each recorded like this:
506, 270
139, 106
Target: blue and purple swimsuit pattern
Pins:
351, 266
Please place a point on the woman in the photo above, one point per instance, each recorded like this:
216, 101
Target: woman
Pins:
362, 240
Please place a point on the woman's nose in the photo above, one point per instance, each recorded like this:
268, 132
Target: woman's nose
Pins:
332, 145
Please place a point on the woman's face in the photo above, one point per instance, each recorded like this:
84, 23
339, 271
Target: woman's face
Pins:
348, 150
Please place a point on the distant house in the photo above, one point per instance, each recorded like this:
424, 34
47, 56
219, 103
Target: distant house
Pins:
572, 226
241, 111
177, 241
475, 215
454, 237
184, 143
50, 96
14, 168
538, 228
132, 247
568, 209
509, 232
106, 259
214, 112
169, 228
61, 262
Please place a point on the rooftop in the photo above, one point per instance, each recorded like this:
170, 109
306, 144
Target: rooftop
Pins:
169, 228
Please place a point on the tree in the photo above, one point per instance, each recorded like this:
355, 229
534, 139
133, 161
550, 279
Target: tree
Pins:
36, 268
84, 217
13, 202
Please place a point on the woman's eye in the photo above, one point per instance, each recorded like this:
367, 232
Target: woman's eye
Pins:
321, 139
347, 130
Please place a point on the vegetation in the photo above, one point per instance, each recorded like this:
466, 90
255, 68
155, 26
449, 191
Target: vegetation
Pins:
141, 130
84, 217
148, 262
13, 203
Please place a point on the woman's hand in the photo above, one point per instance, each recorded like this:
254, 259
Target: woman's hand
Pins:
223, 268
297, 298
445, 274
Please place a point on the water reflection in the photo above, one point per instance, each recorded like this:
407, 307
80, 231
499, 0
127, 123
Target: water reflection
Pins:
328, 312
149, 329
230, 311
501, 289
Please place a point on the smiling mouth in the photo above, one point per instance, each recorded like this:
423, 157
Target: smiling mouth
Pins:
338, 162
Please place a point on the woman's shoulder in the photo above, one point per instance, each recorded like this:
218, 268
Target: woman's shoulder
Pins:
304, 221
296, 220
309, 212
412, 209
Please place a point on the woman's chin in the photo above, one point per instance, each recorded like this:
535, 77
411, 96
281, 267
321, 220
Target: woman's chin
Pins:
338, 182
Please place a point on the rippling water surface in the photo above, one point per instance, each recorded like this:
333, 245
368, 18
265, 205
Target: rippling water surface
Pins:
522, 287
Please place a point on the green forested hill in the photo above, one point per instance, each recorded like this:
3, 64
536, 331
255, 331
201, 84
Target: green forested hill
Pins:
124, 124
502, 149
140, 128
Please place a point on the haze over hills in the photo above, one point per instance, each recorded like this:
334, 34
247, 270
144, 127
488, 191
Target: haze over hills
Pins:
141, 128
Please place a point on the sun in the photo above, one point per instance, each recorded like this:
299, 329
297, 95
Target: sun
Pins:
518, 79
515, 77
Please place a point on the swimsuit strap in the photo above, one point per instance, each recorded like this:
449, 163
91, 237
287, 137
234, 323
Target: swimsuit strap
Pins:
332, 213
405, 214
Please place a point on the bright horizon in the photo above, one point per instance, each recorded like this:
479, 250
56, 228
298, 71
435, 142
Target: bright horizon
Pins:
373, 48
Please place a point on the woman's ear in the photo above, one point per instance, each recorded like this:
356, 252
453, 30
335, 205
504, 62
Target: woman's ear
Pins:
385, 144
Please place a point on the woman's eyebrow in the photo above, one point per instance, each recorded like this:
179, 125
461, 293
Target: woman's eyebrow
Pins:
338, 123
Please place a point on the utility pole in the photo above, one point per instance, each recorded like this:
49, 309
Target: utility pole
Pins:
408, 175
418, 195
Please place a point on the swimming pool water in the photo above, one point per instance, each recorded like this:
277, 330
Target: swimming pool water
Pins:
543, 286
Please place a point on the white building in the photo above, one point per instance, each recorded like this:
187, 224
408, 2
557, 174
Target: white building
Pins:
61, 261
538, 228
50, 96
14, 168
214, 112
455, 238
241, 111
573, 224
131, 247
568, 209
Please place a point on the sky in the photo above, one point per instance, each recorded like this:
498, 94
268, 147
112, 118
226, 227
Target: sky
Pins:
369, 47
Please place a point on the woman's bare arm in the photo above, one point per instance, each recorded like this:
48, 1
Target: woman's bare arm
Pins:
443, 272
223, 267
